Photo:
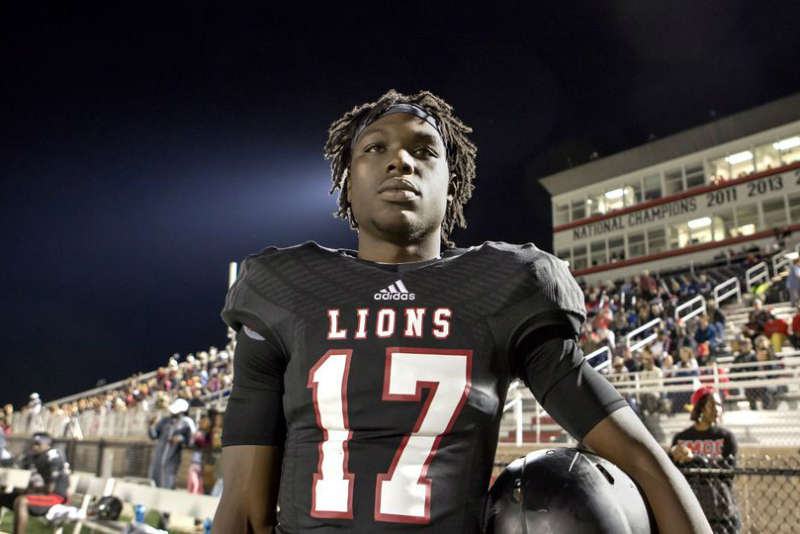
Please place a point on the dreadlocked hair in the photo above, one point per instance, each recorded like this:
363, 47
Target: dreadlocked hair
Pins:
460, 150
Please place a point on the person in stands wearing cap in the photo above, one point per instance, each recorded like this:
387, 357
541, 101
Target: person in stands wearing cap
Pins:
172, 433
48, 484
707, 444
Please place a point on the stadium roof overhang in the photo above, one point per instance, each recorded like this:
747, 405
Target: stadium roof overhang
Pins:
724, 130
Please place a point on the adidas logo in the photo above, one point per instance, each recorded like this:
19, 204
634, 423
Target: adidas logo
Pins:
396, 291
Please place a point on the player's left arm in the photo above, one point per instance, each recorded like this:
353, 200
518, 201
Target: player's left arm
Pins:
622, 439
590, 409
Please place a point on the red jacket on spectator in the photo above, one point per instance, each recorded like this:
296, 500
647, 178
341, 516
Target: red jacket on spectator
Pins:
777, 326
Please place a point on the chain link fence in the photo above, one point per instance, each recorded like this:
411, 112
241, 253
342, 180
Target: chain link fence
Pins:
758, 495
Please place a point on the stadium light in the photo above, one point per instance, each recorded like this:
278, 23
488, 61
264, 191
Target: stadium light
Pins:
699, 223
616, 193
739, 157
786, 144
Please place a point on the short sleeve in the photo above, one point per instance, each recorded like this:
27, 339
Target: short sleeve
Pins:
254, 415
552, 365
552, 298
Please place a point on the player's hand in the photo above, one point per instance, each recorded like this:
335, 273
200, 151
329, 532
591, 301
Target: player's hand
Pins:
176, 439
681, 454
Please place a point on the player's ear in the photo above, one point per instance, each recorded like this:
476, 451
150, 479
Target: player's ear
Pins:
347, 188
451, 188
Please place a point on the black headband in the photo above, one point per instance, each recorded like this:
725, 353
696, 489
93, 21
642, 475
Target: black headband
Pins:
411, 109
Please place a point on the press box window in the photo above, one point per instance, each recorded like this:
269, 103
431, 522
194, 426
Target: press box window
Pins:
578, 210
794, 207
673, 181
774, 212
789, 149
598, 249
652, 187
579, 256
695, 177
656, 240
747, 220
562, 214
636, 245
616, 249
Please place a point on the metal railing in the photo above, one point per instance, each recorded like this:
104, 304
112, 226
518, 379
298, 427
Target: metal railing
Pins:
603, 364
645, 328
741, 385
754, 274
731, 287
688, 306
779, 261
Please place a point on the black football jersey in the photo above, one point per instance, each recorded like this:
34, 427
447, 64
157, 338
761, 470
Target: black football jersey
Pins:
392, 378
50, 467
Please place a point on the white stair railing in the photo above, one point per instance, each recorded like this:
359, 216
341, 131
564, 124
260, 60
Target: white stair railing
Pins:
755, 274
602, 365
692, 311
648, 330
779, 262
727, 289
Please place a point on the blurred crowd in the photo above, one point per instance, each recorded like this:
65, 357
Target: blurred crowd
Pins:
198, 379
681, 349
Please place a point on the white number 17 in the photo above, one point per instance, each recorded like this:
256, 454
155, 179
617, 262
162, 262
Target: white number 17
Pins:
403, 494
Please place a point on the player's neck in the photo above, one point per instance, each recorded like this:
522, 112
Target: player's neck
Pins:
377, 250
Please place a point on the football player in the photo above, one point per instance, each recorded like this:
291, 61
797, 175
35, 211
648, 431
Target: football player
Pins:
369, 385
48, 484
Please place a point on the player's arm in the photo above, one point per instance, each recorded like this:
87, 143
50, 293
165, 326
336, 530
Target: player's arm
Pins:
590, 409
253, 433
250, 498
622, 439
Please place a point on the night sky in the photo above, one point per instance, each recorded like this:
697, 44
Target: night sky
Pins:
146, 145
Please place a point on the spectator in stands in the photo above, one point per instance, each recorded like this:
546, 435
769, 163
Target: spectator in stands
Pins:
707, 444
757, 319
683, 339
793, 282
5, 420
651, 377
6, 460
214, 465
620, 323
32, 414
660, 346
647, 284
794, 337
746, 355
173, 433
766, 394
620, 374
629, 361
716, 317
202, 444
777, 330
704, 286
706, 334
197, 401
686, 367
644, 315
48, 484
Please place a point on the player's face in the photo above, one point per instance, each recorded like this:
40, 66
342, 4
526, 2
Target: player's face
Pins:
399, 179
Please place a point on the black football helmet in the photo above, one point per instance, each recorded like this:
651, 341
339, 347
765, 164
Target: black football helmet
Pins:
566, 491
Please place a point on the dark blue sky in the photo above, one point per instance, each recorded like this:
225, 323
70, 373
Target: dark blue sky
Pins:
143, 146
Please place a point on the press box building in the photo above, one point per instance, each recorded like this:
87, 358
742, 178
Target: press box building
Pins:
682, 199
